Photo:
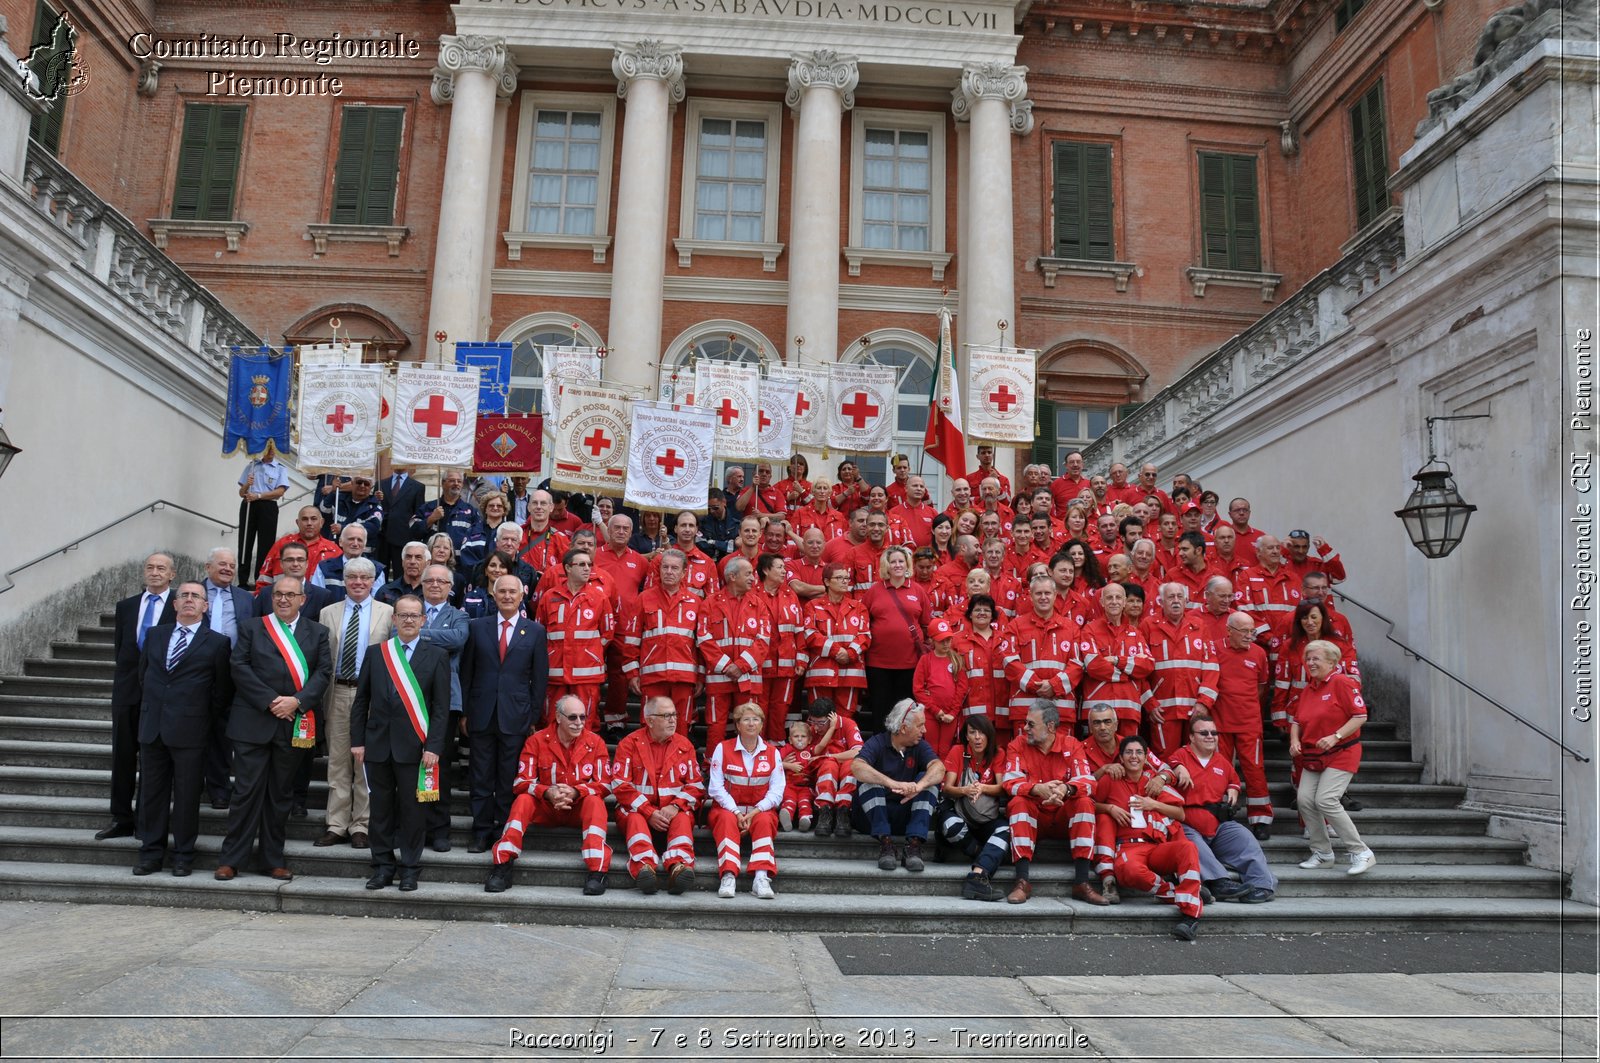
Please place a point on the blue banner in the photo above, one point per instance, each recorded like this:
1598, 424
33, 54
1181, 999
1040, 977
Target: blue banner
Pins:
493, 361
258, 402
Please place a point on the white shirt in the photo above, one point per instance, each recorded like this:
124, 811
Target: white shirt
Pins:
365, 628
719, 789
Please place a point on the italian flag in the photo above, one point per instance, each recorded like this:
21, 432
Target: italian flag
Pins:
944, 442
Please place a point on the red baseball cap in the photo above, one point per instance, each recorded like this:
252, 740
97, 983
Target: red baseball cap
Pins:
940, 629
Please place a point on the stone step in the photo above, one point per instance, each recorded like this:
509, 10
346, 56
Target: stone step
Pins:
72, 650
56, 729
56, 687
1372, 771
791, 911
103, 635
68, 668
61, 708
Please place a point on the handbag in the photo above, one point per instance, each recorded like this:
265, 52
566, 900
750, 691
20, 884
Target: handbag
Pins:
1318, 761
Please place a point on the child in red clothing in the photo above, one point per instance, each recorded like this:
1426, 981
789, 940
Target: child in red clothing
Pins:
799, 788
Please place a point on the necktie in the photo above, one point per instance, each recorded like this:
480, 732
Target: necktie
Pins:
179, 644
433, 613
505, 637
347, 646
149, 617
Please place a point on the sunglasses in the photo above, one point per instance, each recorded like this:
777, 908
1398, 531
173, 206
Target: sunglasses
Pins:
1204, 734
570, 715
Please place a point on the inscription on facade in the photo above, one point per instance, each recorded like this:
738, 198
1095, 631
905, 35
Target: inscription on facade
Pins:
939, 16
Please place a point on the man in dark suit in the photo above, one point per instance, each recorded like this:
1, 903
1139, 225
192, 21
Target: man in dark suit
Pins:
295, 562
227, 606
402, 496
186, 682
385, 741
505, 669
135, 617
281, 668
444, 626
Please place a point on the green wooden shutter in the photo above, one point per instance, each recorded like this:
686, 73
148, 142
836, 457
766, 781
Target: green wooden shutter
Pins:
226, 141
208, 162
348, 178
1243, 218
1044, 441
383, 167
1069, 200
1230, 226
1097, 203
368, 169
1214, 209
1083, 201
1370, 156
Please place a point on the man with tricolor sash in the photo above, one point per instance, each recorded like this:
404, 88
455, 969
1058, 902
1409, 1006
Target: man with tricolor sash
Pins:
281, 671
397, 733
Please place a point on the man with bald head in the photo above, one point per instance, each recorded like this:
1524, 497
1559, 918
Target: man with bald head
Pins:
308, 530
960, 497
1243, 684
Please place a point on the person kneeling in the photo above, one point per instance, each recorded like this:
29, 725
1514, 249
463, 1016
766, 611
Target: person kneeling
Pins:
898, 775
1150, 845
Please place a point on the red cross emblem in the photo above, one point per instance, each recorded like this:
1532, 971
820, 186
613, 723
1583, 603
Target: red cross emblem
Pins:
339, 420
434, 416
859, 410
727, 412
801, 404
766, 422
598, 442
670, 462
1003, 398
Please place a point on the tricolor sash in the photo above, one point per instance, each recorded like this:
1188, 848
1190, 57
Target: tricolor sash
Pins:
283, 638
406, 685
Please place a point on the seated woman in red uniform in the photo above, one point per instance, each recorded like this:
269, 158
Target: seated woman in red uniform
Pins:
1153, 855
746, 791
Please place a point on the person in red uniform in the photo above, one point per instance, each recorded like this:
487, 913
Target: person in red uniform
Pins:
562, 780
898, 611
799, 778
819, 513
965, 556
1102, 751
795, 489
911, 522
986, 469
656, 780
1226, 558
864, 558
1065, 488
700, 571
850, 490
1183, 677
1210, 798
1194, 568
836, 637
939, 685
760, 497
1009, 593
1147, 484
982, 646
786, 661
837, 741
746, 789
1297, 556
804, 569
578, 622
1152, 851
735, 636
1023, 552
1309, 623
1325, 742
628, 570
308, 532
900, 472
1039, 657
747, 545
1115, 661
843, 548
1047, 781
658, 640
1242, 683
1269, 592
544, 544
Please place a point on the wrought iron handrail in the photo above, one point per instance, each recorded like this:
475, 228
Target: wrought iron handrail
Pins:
1410, 652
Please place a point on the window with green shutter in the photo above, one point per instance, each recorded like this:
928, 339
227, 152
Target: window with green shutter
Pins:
1230, 226
1370, 156
50, 60
208, 162
1083, 201
1044, 442
368, 170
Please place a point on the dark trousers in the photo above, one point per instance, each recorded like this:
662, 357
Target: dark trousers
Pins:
494, 772
397, 820
258, 529
263, 782
219, 761
437, 812
885, 686
169, 799
124, 760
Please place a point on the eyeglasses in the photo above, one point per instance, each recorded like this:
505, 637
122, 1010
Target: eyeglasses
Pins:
285, 596
1204, 734
661, 715
436, 580
570, 715
407, 616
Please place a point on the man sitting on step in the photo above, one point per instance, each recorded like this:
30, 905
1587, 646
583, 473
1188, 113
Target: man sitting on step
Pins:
1048, 780
1210, 789
657, 782
899, 776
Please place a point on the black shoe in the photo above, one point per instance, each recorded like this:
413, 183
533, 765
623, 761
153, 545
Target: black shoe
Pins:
408, 881
440, 843
1206, 896
645, 880
914, 861
1226, 889
977, 887
146, 867
222, 802
480, 844
595, 884
116, 830
296, 810
1351, 804
182, 868
842, 827
888, 859
380, 879
1255, 895
822, 827
499, 878
1261, 831
1186, 929
680, 879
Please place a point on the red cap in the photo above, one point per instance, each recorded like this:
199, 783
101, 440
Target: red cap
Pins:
940, 629
1195, 506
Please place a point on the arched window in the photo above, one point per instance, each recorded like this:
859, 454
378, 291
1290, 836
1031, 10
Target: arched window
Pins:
714, 341
530, 334
912, 355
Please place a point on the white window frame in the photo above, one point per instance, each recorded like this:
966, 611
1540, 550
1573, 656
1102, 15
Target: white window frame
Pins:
767, 249
532, 102
936, 258
908, 443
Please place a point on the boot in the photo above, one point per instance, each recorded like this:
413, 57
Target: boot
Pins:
824, 821
978, 887
914, 861
888, 859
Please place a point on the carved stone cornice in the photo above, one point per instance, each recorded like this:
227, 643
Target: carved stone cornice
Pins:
649, 59
823, 68
485, 55
995, 81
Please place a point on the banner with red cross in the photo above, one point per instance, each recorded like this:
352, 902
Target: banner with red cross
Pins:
562, 366
732, 392
775, 421
435, 419
591, 439
1000, 395
810, 404
339, 409
670, 457
861, 407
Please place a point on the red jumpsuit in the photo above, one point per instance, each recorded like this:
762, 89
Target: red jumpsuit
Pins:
1240, 674
940, 686
658, 648
544, 550
545, 762
1184, 676
733, 629
1026, 767
1042, 649
699, 576
1270, 597
1105, 828
912, 525
799, 783
836, 787
647, 776
628, 570
1326, 559
1152, 850
745, 787
578, 627
863, 564
988, 690
1008, 594
829, 628
1116, 664
786, 662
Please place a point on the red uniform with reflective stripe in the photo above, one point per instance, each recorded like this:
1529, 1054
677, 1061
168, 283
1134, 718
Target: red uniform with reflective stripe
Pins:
1041, 649
1211, 782
1270, 597
833, 523
659, 637
829, 628
1026, 767
1116, 663
578, 626
988, 690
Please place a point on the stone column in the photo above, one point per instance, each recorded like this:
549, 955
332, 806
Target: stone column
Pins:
491, 220
821, 88
963, 211
472, 72
650, 78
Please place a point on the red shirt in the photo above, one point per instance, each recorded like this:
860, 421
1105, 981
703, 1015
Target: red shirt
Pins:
917, 522
1064, 490
627, 570
1210, 782
1324, 707
895, 617
1240, 674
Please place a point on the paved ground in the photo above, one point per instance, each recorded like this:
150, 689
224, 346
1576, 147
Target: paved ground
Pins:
89, 982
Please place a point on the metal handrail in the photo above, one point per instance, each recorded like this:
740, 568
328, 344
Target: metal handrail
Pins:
1410, 652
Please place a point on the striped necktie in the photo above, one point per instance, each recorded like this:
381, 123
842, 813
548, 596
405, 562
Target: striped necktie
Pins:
347, 645
179, 644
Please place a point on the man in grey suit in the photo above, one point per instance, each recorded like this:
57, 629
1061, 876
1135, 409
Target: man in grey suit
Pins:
444, 626
227, 606
281, 669
393, 746
355, 623
185, 678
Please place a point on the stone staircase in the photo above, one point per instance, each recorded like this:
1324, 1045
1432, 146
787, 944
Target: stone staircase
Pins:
1437, 867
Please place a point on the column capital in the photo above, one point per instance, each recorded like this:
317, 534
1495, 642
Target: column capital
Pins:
486, 55
989, 81
823, 68
648, 59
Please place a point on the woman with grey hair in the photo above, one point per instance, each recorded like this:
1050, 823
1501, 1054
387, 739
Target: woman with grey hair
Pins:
1325, 742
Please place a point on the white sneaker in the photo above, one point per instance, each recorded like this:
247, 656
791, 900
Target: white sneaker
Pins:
762, 887
785, 820
725, 888
1317, 860
1361, 863
805, 824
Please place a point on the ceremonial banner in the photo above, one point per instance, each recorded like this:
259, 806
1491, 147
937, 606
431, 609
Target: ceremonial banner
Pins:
775, 421
861, 407
329, 353
493, 362
386, 409
509, 443
436, 417
1000, 395
340, 406
732, 392
591, 439
258, 403
944, 442
810, 404
670, 457
566, 365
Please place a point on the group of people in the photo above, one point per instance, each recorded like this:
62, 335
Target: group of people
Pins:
1086, 657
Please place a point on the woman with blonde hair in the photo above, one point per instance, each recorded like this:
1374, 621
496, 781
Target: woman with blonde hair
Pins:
898, 612
746, 790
